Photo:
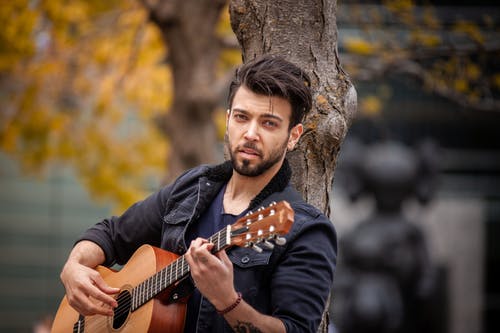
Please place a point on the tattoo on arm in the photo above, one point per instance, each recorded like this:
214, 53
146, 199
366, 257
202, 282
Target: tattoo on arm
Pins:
242, 327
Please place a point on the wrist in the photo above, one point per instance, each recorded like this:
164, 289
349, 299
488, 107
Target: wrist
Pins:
232, 306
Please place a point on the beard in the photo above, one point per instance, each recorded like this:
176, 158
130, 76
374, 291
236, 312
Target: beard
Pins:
245, 168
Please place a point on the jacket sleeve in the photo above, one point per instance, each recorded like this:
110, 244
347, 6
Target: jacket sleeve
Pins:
303, 279
120, 236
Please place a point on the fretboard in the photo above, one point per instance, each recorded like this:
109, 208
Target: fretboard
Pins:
174, 272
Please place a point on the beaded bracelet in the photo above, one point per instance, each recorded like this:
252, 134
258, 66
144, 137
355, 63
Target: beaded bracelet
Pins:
231, 307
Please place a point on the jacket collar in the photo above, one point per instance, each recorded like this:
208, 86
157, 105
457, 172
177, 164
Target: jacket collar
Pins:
223, 172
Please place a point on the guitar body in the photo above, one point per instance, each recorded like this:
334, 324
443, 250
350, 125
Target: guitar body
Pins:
156, 315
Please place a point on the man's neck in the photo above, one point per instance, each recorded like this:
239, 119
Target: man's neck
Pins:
240, 190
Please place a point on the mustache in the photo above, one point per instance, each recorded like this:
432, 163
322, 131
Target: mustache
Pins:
253, 146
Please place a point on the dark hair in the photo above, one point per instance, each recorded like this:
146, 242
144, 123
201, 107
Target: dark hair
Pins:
274, 76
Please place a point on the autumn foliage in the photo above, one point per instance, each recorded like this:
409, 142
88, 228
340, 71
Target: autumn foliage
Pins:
450, 54
80, 83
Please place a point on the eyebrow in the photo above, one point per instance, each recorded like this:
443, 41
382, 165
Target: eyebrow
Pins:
263, 115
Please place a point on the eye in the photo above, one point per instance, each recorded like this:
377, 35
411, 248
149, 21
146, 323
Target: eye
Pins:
240, 116
270, 123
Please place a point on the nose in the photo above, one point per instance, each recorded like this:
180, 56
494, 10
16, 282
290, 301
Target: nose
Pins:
252, 131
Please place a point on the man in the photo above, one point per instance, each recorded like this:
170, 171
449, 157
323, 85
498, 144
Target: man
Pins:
279, 290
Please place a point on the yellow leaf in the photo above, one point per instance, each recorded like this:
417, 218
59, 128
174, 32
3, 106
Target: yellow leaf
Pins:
460, 85
371, 106
496, 80
473, 71
470, 29
360, 46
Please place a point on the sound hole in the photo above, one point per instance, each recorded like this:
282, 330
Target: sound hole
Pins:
123, 309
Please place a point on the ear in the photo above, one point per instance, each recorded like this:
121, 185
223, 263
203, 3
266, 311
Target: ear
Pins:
295, 134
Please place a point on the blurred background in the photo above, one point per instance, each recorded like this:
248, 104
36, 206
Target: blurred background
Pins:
86, 88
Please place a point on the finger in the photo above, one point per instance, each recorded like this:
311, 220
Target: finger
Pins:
202, 250
204, 254
99, 295
102, 308
198, 242
88, 306
189, 258
222, 255
103, 286
208, 246
202, 258
95, 287
97, 309
192, 256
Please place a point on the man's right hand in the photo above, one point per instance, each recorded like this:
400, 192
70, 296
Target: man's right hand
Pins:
86, 290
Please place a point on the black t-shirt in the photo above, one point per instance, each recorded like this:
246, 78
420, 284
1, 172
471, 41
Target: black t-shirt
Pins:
213, 220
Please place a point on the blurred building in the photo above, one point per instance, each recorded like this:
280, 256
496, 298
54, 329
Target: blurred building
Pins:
462, 222
40, 219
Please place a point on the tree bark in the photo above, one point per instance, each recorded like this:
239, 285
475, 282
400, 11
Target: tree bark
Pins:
188, 28
305, 32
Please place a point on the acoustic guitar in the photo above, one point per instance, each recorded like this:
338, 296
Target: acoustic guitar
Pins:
148, 301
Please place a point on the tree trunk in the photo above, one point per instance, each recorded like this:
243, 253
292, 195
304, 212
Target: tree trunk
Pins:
304, 32
188, 29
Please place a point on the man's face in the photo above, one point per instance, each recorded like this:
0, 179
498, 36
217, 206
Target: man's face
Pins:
257, 135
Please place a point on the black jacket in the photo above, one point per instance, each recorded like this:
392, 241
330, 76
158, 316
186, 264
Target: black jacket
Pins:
290, 282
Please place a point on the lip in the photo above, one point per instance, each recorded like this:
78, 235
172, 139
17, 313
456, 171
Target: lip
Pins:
249, 153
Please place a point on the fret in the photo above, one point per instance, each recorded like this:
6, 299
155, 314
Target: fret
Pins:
138, 295
162, 281
179, 263
136, 298
223, 233
157, 282
143, 287
171, 276
133, 299
216, 242
172, 271
155, 285
152, 286
183, 267
149, 286
186, 266
176, 269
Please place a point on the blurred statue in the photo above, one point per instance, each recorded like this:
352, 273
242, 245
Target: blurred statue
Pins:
386, 282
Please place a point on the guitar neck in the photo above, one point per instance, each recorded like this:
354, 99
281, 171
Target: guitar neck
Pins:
174, 272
